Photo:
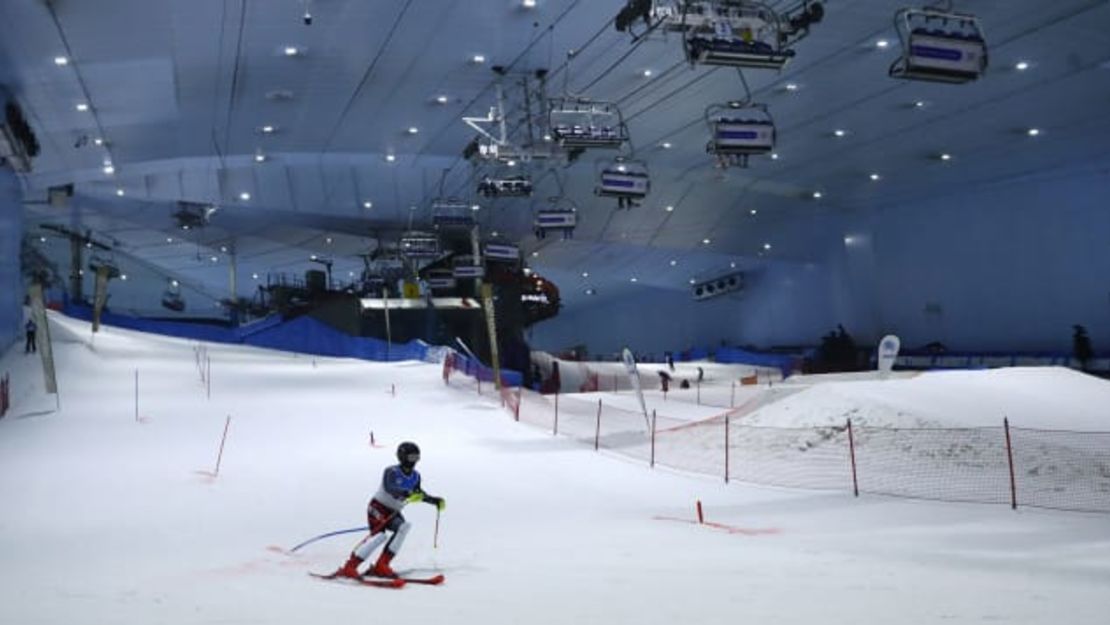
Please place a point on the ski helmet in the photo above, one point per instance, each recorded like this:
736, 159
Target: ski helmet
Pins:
408, 454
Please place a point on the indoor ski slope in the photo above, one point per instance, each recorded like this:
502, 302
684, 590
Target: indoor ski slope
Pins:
108, 520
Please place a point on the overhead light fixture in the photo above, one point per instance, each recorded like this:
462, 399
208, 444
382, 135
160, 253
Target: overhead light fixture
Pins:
254, 276
732, 265
585, 274
633, 279
478, 58
666, 145
528, 4
647, 73
547, 138
267, 129
591, 292
413, 130
919, 104
766, 246
82, 107
705, 241
693, 281
535, 254
260, 157
123, 276
791, 86
882, 44
42, 239
98, 142
368, 204
169, 239
120, 192
1033, 132
840, 132
774, 156
389, 158
245, 196
327, 240
945, 157
215, 259
223, 248
875, 177
754, 211
291, 50
61, 61
475, 207
818, 195
1021, 66
442, 99
312, 257
669, 208
674, 262
511, 163
109, 170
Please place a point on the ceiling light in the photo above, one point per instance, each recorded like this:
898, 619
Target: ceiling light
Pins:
327, 240
633, 279
585, 274
673, 262
919, 104
705, 241
169, 239
42, 239
291, 50
591, 292
774, 156
267, 129
840, 132
732, 265
547, 137
108, 169
82, 107
260, 158
475, 207
511, 163
790, 86
1021, 66
667, 145
478, 58
312, 257
535, 254
875, 177
882, 43
528, 4
98, 142
413, 130
254, 276
245, 196
754, 211
1033, 132
647, 73
946, 157
493, 234
766, 246
442, 99
368, 204
817, 195
669, 209
693, 281
215, 259
61, 60
389, 158
123, 276
120, 192
223, 248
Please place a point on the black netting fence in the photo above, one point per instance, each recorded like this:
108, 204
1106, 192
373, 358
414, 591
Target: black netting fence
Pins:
996, 465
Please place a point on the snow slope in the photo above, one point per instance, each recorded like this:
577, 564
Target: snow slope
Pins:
104, 519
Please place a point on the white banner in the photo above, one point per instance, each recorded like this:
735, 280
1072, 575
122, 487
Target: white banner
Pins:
888, 353
630, 367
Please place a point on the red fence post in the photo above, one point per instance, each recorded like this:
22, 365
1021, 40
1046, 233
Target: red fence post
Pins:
1010, 458
597, 433
653, 438
701, 516
726, 449
852, 454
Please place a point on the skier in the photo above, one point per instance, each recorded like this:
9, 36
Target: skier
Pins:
32, 329
400, 486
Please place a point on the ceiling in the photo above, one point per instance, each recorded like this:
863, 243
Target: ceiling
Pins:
179, 90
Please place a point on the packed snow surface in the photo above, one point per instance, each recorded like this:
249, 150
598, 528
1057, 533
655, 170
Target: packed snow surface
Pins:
108, 518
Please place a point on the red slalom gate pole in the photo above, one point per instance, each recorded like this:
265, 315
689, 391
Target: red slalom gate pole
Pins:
1010, 457
597, 433
223, 439
653, 438
852, 455
701, 517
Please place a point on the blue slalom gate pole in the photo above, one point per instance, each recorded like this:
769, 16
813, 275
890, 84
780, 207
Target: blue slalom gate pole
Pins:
329, 535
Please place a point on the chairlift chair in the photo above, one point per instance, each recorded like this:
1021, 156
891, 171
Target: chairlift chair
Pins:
739, 130
734, 33
580, 123
505, 186
451, 213
939, 46
464, 267
172, 300
560, 217
416, 244
625, 179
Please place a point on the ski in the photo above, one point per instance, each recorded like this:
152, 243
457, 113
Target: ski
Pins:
434, 580
375, 582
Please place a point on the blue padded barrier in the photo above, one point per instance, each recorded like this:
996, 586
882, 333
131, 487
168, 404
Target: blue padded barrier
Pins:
784, 363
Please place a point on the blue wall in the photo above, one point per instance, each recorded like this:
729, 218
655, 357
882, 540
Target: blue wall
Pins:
1007, 268
11, 234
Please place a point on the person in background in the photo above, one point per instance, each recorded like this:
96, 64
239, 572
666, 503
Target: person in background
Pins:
670, 361
32, 331
664, 381
701, 374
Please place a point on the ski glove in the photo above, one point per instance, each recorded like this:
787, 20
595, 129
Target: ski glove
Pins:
439, 502
415, 497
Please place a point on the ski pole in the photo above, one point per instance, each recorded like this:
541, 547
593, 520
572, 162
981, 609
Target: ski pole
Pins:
435, 538
329, 535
